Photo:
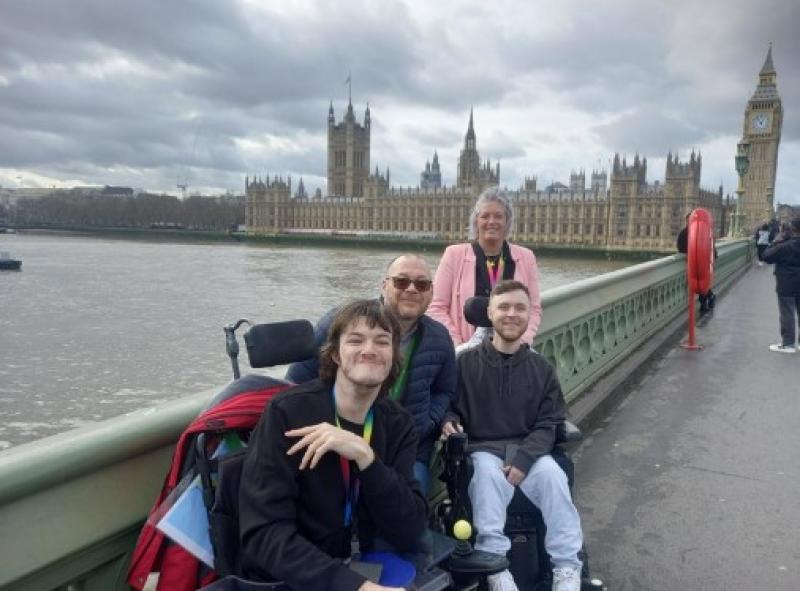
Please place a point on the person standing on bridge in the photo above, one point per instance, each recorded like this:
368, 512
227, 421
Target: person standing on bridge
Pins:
708, 299
762, 239
785, 255
474, 268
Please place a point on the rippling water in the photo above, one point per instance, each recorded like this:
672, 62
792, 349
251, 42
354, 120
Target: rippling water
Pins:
93, 327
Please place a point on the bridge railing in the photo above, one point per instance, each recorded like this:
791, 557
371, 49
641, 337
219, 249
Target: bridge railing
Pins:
590, 326
71, 505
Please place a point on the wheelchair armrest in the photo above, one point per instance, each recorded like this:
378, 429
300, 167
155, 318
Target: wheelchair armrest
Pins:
567, 432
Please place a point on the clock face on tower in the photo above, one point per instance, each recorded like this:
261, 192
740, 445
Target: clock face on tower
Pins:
760, 122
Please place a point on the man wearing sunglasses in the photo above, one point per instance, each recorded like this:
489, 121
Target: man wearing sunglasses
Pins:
426, 384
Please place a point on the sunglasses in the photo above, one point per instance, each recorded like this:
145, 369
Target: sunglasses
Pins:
402, 283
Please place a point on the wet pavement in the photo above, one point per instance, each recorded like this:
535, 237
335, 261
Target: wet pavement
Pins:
693, 482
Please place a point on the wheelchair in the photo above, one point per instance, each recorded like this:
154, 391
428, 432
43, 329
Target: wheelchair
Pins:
528, 560
269, 345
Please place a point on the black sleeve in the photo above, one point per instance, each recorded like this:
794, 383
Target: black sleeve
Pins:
268, 499
391, 495
443, 389
542, 438
305, 371
773, 253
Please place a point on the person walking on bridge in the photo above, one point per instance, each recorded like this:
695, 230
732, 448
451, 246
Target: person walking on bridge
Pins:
785, 254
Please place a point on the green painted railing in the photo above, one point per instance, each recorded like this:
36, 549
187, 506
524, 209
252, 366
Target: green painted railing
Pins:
71, 505
590, 326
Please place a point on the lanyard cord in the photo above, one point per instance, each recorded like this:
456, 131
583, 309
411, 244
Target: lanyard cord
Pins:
351, 488
400, 383
495, 270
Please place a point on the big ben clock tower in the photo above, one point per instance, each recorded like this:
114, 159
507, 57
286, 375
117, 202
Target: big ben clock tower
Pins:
763, 118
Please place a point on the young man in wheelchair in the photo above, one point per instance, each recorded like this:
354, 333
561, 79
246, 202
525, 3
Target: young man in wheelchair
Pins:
509, 402
296, 520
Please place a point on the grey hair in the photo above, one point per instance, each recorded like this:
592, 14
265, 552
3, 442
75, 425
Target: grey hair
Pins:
486, 196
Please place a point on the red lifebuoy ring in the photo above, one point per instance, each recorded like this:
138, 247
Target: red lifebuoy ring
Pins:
700, 251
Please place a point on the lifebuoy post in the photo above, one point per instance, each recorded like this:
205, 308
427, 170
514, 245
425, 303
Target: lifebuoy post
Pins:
699, 263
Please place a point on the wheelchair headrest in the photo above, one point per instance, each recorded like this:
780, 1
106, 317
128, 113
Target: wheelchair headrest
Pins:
476, 311
279, 343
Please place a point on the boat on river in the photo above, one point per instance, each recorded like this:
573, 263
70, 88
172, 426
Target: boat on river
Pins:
9, 264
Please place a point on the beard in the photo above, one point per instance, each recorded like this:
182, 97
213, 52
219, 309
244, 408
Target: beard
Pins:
510, 332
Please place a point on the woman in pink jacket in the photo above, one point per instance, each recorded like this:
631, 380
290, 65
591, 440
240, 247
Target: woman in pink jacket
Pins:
474, 268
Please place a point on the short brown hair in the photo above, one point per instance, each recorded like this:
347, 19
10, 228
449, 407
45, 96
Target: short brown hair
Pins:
509, 285
374, 314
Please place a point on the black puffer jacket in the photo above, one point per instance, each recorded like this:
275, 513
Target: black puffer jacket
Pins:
786, 258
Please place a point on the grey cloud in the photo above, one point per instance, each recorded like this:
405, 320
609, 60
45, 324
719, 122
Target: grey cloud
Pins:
648, 131
183, 81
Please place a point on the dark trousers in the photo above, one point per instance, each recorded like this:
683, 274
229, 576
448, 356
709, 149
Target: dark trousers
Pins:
706, 301
788, 308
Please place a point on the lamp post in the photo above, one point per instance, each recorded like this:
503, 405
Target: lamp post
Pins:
742, 165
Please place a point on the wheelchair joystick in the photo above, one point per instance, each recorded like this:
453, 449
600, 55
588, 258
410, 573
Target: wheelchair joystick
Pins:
462, 530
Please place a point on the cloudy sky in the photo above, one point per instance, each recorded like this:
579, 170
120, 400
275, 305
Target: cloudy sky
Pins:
154, 93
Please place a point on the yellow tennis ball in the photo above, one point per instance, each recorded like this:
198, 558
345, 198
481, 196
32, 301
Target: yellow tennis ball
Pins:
462, 530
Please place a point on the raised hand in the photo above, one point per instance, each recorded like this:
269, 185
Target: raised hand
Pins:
451, 427
319, 439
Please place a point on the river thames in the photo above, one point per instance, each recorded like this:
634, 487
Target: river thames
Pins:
94, 327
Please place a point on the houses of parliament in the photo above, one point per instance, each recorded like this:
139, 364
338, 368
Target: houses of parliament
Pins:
623, 212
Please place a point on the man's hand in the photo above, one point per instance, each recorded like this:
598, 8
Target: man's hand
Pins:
513, 475
451, 427
370, 586
319, 439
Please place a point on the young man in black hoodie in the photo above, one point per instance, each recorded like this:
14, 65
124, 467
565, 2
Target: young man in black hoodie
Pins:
509, 402
332, 461
785, 254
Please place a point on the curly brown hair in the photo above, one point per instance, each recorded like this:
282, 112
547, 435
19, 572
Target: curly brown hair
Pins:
374, 314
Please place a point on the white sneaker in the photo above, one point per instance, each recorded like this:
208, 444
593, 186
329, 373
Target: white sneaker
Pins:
566, 579
502, 581
781, 348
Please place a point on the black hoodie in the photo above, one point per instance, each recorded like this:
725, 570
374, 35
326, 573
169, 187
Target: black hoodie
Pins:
504, 401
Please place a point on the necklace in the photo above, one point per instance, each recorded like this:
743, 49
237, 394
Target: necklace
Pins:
495, 266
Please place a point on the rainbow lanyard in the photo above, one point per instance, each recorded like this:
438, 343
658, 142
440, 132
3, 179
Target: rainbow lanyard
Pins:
351, 488
495, 271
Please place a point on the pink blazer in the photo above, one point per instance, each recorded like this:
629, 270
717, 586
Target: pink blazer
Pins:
454, 284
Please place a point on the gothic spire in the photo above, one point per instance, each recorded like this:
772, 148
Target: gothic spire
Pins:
768, 68
471, 128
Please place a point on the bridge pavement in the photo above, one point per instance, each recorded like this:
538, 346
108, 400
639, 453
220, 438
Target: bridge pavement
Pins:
693, 482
